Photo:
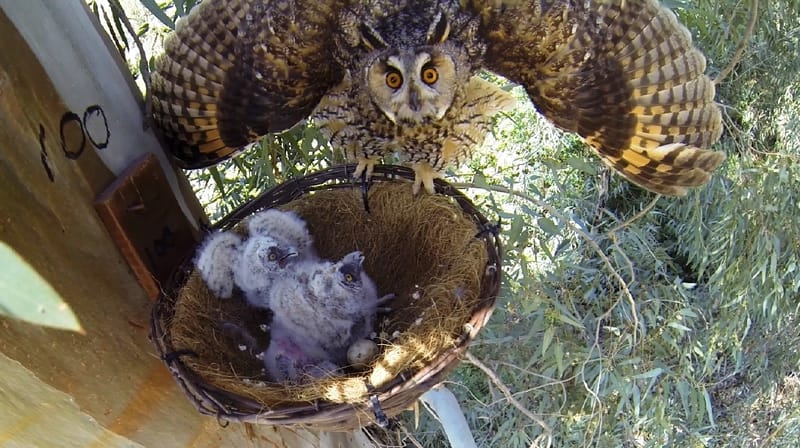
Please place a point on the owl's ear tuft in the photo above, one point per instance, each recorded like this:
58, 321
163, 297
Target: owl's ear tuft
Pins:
439, 30
371, 38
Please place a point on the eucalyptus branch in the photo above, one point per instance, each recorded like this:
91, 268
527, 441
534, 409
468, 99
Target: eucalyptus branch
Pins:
635, 217
580, 232
737, 56
509, 396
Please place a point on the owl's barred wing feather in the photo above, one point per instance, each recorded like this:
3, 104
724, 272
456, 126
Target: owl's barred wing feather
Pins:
623, 74
237, 69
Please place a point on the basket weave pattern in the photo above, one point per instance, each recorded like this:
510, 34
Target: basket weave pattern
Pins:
377, 396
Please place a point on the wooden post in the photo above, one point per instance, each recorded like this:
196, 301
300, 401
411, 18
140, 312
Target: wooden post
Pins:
70, 127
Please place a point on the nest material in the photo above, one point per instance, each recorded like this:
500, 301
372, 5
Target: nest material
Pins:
429, 250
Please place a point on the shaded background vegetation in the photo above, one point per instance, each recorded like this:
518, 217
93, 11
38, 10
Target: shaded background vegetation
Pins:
626, 319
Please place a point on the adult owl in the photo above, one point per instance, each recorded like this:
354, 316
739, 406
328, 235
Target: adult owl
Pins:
384, 76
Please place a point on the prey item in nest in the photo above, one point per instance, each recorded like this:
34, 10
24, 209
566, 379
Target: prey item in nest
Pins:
431, 251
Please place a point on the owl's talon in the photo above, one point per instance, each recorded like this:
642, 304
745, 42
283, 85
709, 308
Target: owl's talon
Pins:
383, 300
365, 167
424, 175
365, 191
386, 298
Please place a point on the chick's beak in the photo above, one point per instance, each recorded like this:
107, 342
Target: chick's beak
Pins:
285, 259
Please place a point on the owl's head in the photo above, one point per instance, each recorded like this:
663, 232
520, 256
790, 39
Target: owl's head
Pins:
413, 79
413, 86
262, 253
350, 271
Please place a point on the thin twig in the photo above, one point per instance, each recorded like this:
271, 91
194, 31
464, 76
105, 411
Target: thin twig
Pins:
792, 157
507, 392
737, 56
782, 426
410, 437
551, 382
635, 217
613, 235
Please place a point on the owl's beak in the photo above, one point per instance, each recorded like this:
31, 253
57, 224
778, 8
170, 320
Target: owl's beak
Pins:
413, 100
354, 257
285, 259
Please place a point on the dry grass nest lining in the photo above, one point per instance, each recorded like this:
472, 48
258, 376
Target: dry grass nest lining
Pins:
423, 249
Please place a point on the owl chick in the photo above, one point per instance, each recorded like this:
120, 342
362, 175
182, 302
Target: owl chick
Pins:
386, 76
261, 260
285, 227
326, 304
215, 260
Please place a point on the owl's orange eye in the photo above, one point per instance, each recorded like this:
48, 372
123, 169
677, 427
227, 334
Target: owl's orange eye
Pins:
394, 80
430, 75
349, 278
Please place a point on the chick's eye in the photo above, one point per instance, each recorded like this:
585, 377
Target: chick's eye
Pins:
272, 256
394, 80
348, 278
430, 75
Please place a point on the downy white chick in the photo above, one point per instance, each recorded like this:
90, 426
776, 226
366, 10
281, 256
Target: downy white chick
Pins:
262, 260
286, 228
326, 304
215, 260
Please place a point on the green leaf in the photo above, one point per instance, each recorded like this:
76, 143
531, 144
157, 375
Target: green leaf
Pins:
179, 7
26, 296
649, 374
548, 226
116, 15
189, 5
559, 357
479, 179
709, 407
144, 28
154, 9
218, 180
683, 393
547, 338
580, 164
678, 326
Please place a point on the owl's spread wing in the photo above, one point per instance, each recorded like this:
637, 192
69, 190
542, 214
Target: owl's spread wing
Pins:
623, 74
237, 69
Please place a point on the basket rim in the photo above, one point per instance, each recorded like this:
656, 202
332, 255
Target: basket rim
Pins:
395, 395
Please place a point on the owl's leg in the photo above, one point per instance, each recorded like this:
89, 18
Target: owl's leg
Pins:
321, 369
424, 174
386, 298
383, 300
365, 163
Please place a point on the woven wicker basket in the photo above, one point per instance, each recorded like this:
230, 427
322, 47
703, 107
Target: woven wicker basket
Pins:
375, 403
